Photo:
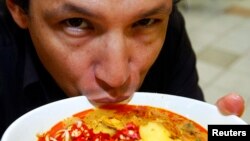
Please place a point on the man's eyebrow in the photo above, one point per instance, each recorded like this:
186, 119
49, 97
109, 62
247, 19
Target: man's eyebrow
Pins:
73, 8
69, 7
162, 9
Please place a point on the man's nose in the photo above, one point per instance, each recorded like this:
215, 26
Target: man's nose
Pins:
113, 68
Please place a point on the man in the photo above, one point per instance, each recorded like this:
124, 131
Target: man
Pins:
103, 49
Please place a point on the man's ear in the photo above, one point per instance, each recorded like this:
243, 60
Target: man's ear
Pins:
18, 14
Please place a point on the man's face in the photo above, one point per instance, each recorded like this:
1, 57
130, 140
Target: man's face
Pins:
98, 48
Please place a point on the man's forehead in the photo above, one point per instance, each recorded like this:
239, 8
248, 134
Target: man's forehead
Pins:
96, 8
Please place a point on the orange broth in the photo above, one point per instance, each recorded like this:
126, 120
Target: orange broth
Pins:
125, 123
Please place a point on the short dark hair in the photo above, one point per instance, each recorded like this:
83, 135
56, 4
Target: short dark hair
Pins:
176, 1
24, 4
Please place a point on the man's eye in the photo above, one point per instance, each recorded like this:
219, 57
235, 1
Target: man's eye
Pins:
76, 26
76, 23
145, 22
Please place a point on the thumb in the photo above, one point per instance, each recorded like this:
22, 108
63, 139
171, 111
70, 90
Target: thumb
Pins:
231, 104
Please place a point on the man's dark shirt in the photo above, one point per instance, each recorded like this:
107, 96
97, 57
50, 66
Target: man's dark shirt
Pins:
25, 84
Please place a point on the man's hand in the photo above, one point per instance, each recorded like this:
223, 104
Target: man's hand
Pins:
231, 104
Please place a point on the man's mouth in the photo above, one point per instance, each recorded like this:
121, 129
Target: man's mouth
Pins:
104, 101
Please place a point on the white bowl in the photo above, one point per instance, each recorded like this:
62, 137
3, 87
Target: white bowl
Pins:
43, 118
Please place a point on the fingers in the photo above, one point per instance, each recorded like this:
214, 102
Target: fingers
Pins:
231, 104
